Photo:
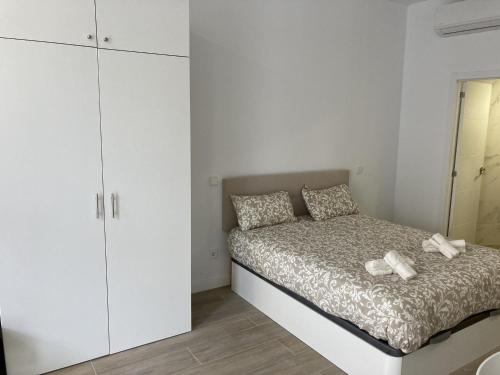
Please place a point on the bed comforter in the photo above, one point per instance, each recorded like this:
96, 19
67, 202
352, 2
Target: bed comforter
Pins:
324, 263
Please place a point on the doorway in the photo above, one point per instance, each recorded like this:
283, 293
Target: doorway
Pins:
474, 211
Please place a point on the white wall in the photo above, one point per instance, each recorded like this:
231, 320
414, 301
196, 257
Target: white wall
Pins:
431, 66
291, 85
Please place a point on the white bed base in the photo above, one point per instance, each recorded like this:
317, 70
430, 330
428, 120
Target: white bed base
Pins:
352, 354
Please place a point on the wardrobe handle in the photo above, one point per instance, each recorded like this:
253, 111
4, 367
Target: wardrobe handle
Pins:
113, 199
97, 215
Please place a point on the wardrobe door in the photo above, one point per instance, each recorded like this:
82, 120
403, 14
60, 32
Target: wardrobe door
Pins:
157, 26
146, 159
61, 21
52, 256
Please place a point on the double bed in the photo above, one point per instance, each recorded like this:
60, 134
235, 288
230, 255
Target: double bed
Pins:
309, 276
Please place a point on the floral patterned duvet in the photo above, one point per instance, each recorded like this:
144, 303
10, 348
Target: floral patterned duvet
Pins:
323, 261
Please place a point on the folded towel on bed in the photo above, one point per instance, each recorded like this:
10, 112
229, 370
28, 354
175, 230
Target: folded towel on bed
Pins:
445, 248
380, 267
431, 246
400, 265
458, 244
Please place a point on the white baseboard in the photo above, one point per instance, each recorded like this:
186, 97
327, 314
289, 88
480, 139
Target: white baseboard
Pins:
201, 285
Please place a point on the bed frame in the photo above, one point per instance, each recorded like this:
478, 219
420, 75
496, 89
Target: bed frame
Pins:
345, 349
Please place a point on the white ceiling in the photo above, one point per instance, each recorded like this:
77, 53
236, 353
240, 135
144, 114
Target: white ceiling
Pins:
407, 2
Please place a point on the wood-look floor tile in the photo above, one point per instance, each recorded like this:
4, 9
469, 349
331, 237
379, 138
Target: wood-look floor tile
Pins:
222, 291
257, 317
211, 296
230, 337
214, 331
284, 365
81, 369
332, 370
305, 363
463, 371
209, 350
471, 367
218, 311
293, 344
311, 362
252, 361
270, 358
163, 364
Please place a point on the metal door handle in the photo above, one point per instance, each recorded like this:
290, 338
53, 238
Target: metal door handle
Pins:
97, 206
482, 171
113, 200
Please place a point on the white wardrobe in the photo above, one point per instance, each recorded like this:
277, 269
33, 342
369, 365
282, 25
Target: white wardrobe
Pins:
95, 178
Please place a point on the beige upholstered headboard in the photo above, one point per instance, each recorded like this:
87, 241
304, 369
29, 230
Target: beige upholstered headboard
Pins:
291, 182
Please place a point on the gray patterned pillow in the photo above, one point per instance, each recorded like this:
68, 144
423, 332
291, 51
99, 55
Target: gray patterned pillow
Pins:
324, 204
254, 211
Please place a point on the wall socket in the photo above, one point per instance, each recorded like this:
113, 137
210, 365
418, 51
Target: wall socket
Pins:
213, 253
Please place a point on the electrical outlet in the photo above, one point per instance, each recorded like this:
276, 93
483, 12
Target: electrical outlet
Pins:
214, 253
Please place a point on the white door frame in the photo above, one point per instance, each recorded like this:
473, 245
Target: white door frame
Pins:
460, 84
456, 81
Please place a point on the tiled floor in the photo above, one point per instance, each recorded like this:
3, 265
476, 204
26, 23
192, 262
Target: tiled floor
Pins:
229, 337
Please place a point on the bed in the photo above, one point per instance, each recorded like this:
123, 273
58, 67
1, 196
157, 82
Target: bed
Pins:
309, 277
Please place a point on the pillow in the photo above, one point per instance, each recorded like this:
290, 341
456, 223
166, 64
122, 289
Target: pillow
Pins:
254, 211
324, 204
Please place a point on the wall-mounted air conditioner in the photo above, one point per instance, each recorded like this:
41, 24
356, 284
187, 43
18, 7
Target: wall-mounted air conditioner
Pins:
468, 16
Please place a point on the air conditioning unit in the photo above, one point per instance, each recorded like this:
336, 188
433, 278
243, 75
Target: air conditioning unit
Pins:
468, 16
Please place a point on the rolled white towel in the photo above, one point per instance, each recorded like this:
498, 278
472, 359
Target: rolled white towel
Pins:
399, 265
444, 246
378, 267
434, 243
411, 262
458, 244
431, 246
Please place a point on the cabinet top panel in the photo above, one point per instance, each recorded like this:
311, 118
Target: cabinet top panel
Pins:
154, 26
60, 21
